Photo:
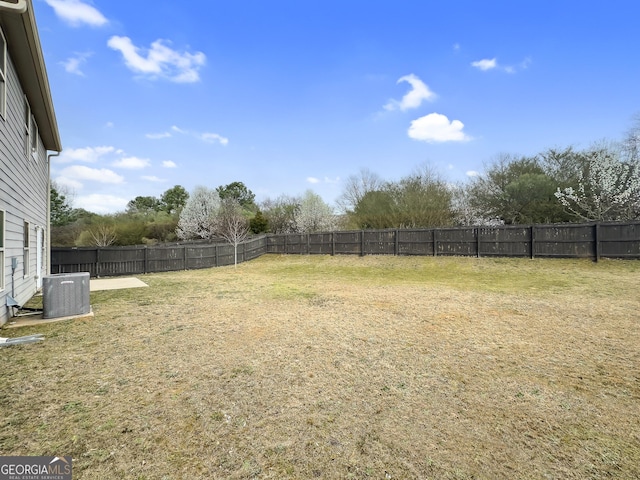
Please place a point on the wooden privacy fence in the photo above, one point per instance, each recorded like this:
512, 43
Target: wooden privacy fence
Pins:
593, 240
112, 261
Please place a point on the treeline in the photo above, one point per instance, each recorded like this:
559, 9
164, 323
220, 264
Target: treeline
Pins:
227, 213
599, 183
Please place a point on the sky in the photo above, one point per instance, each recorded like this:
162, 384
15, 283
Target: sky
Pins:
291, 95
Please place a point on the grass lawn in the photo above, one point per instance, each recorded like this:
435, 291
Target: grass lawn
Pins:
341, 367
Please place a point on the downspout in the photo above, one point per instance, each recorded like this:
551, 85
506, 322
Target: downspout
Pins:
19, 7
48, 232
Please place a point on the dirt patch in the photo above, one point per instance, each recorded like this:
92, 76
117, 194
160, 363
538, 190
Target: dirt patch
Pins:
342, 367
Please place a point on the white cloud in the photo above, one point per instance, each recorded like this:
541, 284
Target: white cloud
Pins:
330, 181
485, 64
153, 178
525, 63
76, 13
169, 164
472, 173
207, 137
214, 138
158, 136
101, 203
159, 61
491, 64
414, 98
437, 128
109, 125
132, 163
87, 155
101, 175
69, 183
74, 64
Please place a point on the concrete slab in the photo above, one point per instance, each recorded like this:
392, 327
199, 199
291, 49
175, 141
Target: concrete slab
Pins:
31, 320
96, 284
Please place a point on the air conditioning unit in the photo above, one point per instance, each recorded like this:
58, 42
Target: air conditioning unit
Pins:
65, 295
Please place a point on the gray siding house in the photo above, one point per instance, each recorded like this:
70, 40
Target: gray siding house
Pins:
28, 130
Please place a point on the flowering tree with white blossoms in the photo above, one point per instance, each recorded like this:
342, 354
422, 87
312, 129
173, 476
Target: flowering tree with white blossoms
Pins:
608, 188
314, 215
199, 217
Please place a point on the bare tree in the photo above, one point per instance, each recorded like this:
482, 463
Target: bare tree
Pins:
631, 142
356, 187
465, 213
281, 213
103, 235
232, 225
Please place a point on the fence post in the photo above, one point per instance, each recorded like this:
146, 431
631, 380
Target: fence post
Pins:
98, 260
596, 239
184, 257
362, 243
333, 243
145, 268
215, 249
435, 243
285, 243
308, 243
397, 243
478, 240
532, 241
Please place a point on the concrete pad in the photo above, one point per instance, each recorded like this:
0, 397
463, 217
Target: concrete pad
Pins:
96, 284
31, 320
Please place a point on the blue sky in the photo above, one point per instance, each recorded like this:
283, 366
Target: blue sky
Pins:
288, 95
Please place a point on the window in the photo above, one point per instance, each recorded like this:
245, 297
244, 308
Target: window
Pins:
30, 132
3, 76
27, 127
25, 259
1, 250
34, 139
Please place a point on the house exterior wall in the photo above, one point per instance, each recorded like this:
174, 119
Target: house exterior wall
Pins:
24, 192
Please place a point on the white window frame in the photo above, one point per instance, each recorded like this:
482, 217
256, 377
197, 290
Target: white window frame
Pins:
34, 138
2, 242
3, 76
27, 127
30, 132
26, 257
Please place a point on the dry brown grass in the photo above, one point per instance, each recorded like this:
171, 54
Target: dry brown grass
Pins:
341, 367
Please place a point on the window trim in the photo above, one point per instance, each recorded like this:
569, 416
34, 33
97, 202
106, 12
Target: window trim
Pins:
27, 127
3, 75
34, 138
26, 256
30, 132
